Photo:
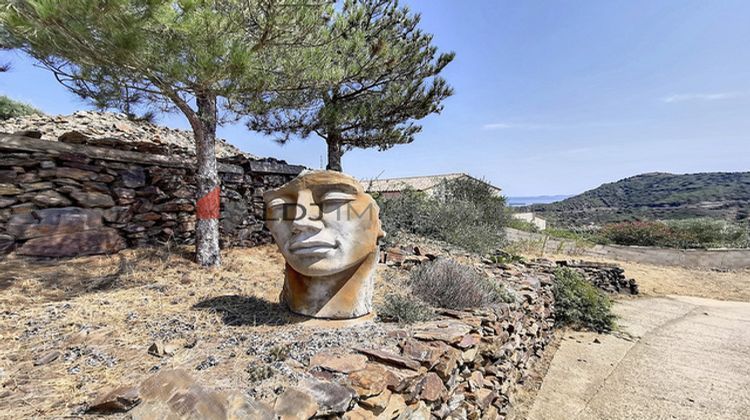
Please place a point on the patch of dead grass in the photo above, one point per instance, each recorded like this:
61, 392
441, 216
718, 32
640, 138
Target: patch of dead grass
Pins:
657, 280
103, 312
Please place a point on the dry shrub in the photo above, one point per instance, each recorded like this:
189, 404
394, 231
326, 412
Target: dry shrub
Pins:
447, 284
404, 309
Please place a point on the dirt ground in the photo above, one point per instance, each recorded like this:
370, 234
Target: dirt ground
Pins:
658, 280
672, 357
72, 328
654, 280
95, 318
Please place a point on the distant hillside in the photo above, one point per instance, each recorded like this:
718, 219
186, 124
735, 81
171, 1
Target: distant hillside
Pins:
657, 195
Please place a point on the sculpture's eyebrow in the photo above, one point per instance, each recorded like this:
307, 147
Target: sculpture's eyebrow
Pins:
345, 188
278, 195
276, 201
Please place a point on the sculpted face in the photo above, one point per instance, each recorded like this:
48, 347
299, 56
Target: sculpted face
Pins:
323, 222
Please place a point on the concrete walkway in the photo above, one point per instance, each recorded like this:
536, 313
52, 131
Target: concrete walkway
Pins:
676, 358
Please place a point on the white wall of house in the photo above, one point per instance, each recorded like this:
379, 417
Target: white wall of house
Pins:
530, 217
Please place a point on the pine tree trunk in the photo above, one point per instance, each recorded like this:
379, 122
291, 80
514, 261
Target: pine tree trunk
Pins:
334, 152
207, 178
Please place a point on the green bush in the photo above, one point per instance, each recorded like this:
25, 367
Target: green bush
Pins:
499, 293
462, 212
638, 233
11, 109
447, 284
707, 233
580, 304
499, 256
407, 212
404, 309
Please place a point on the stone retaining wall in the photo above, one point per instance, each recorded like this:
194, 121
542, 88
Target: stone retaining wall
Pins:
607, 277
464, 364
65, 198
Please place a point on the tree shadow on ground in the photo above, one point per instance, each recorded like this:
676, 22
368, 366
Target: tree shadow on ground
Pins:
56, 279
60, 279
238, 310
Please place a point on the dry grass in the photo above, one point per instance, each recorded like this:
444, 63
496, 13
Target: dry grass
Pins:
661, 280
103, 312
656, 280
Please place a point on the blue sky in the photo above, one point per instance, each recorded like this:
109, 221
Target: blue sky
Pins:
552, 97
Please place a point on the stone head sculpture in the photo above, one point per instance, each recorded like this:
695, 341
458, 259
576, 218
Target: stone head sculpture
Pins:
327, 228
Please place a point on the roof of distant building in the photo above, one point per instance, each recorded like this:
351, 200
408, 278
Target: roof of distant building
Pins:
418, 183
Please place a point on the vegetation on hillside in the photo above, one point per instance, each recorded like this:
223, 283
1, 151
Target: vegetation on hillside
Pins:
684, 234
462, 212
693, 233
11, 109
656, 196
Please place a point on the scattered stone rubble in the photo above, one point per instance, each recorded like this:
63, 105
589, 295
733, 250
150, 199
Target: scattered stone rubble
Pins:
113, 130
464, 364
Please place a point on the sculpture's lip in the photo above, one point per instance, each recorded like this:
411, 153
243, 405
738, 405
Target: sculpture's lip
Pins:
311, 247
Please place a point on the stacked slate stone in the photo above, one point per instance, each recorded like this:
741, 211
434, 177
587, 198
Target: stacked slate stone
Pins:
463, 364
62, 199
607, 277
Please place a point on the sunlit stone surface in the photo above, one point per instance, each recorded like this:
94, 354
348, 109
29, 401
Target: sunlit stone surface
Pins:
327, 228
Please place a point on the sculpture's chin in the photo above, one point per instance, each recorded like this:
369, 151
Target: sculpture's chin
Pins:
322, 266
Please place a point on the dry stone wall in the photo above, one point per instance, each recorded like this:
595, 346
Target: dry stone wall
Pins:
60, 198
461, 365
607, 277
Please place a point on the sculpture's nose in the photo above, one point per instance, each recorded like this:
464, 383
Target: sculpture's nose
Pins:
307, 214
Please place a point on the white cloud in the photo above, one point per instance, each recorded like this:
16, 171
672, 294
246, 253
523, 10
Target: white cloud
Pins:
683, 97
561, 126
497, 126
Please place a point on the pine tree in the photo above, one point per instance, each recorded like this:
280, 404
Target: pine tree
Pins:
194, 56
4, 46
385, 77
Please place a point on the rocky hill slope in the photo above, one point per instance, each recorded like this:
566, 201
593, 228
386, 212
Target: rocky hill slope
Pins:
656, 195
106, 128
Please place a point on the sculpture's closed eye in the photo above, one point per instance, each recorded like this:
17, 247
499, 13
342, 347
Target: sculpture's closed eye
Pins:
334, 199
337, 196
